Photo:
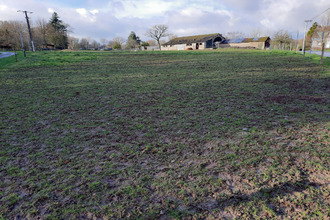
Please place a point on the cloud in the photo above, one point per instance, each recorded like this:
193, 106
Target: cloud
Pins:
88, 15
110, 18
3, 7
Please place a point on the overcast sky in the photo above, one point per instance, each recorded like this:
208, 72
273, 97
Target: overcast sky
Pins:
111, 18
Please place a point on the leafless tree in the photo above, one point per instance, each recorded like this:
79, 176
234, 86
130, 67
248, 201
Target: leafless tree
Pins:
256, 33
282, 38
41, 29
152, 43
9, 34
326, 19
73, 43
84, 43
118, 42
172, 36
234, 35
157, 32
104, 41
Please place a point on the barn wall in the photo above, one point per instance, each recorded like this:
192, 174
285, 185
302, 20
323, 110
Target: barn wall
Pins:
183, 47
259, 45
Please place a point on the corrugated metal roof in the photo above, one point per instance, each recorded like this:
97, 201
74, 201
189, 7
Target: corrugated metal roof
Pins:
247, 40
193, 39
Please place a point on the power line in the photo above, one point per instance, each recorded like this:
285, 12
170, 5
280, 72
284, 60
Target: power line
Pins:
320, 14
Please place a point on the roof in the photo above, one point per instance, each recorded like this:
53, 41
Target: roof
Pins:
193, 39
247, 40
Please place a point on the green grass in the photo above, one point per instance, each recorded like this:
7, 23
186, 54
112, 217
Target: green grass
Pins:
145, 135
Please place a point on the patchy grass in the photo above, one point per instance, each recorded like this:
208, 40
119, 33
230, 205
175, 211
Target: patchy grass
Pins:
208, 134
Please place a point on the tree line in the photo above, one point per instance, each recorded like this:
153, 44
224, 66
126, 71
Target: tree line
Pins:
52, 33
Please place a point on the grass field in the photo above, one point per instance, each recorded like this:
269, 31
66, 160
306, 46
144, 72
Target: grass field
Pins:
164, 135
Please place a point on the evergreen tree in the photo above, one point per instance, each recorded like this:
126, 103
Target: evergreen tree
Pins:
133, 41
58, 32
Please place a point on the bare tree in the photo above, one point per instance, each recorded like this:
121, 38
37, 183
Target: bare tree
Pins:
41, 30
84, 43
256, 33
152, 43
172, 36
73, 43
234, 35
326, 19
104, 42
9, 34
118, 42
282, 38
157, 32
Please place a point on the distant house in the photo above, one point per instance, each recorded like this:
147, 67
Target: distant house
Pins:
317, 38
259, 43
197, 42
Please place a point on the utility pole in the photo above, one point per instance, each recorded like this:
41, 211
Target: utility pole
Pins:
28, 24
20, 34
304, 43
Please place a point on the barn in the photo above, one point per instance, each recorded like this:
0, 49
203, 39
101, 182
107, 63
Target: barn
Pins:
259, 43
196, 42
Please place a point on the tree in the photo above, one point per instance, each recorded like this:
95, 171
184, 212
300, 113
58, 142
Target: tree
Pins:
40, 33
103, 42
133, 41
58, 32
282, 38
234, 35
9, 34
73, 43
157, 32
326, 19
118, 42
256, 33
152, 43
145, 44
312, 29
84, 43
171, 37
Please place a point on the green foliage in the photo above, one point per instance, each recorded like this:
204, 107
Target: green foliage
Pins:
57, 32
133, 41
116, 46
145, 44
312, 29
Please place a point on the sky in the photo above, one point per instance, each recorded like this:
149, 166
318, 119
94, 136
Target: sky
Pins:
112, 18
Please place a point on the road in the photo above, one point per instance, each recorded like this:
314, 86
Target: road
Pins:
326, 54
6, 54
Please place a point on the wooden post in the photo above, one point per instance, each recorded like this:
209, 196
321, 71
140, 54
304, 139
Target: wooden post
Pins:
15, 55
297, 42
323, 44
310, 49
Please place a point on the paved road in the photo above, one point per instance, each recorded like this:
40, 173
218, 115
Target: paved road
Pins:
6, 54
326, 54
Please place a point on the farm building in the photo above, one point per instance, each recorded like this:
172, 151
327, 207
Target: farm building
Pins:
259, 43
197, 42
